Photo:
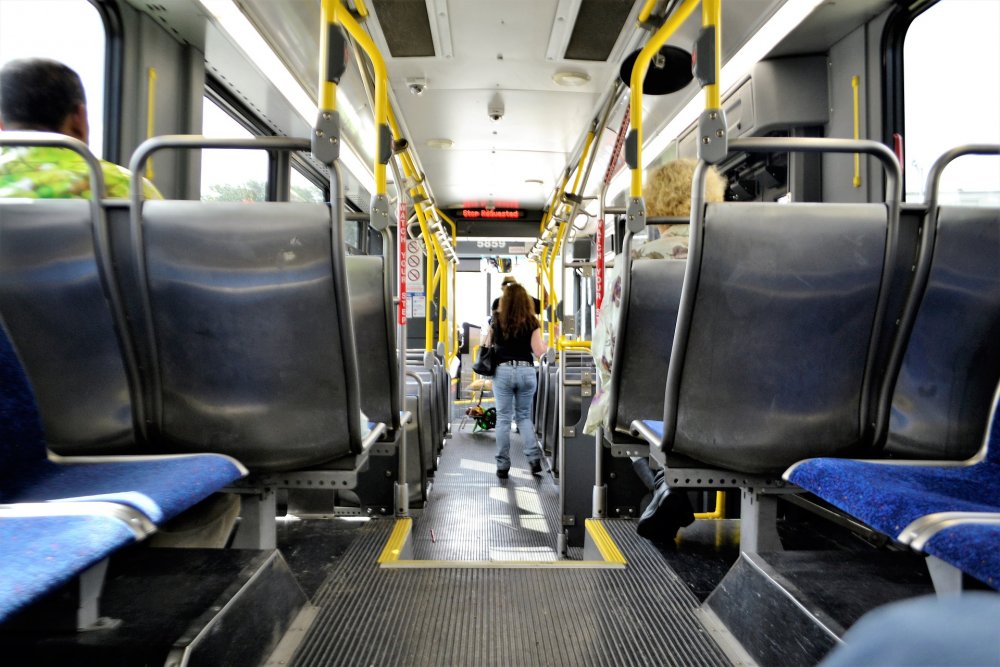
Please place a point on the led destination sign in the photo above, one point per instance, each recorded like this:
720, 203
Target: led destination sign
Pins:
490, 213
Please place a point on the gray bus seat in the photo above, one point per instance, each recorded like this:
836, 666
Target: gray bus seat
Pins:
943, 392
247, 325
375, 334
56, 308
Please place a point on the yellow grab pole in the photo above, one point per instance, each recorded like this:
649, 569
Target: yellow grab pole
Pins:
454, 279
327, 89
150, 115
855, 89
428, 322
647, 10
567, 344
639, 70
583, 158
711, 15
344, 17
720, 508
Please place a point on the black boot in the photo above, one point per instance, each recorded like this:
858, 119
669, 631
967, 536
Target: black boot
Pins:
665, 514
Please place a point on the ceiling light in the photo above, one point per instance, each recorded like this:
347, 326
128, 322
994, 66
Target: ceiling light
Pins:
440, 143
566, 78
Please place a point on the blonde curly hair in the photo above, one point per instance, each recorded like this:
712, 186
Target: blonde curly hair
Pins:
668, 189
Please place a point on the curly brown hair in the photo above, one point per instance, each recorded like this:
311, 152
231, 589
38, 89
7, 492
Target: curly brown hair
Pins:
516, 312
668, 189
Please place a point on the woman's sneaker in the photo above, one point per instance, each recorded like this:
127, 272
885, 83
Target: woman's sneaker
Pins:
536, 467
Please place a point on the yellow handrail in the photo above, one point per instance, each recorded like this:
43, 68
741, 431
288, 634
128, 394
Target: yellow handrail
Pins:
344, 18
711, 15
327, 89
564, 343
855, 86
639, 74
720, 508
647, 10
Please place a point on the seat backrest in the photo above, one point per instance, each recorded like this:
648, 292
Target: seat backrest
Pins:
776, 351
647, 329
943, 392
21, 439
376, 340
249, 355
56, 308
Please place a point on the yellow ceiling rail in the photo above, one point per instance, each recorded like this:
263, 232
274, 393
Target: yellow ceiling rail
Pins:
639, 70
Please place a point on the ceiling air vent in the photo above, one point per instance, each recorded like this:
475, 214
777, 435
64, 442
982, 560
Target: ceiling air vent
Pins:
406, 28
597, 27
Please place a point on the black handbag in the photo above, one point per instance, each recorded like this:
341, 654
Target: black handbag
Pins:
486, 362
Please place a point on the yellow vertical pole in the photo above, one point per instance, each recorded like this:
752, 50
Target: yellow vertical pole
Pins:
638, 76
711, 15
344, 18
150, 114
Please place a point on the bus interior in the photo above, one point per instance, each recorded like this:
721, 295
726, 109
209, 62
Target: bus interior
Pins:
285, 344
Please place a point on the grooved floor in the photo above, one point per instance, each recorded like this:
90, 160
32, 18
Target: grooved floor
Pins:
473, 515
640, 615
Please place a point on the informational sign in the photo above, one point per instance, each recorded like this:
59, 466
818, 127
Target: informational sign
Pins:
414, 267
402, 217
416, 304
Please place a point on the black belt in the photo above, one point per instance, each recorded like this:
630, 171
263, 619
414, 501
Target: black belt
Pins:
517, 363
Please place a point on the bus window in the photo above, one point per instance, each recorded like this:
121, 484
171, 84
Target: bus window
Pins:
73, 34
303, 189
230, 175
951, 63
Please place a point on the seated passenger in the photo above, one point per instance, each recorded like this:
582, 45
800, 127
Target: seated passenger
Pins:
667, 194
46, 96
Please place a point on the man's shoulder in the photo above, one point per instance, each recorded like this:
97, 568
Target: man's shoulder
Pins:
118, 182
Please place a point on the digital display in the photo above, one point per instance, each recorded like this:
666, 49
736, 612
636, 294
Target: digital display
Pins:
490, 214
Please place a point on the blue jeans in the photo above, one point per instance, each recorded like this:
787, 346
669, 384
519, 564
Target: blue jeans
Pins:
514, 389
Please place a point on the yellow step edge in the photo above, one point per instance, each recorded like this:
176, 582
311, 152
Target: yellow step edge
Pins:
604, 543
397, 541
397, 544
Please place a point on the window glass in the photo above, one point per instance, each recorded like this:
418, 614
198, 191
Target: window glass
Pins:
70, 31
951, 61
302, 189
230, 175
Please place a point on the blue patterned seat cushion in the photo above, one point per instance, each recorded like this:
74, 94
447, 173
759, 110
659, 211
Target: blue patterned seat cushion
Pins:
889, 497
161, 487
972, 548
39, 554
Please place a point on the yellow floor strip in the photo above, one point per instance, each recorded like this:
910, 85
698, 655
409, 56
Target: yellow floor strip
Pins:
605, 544
397, 541
396, 544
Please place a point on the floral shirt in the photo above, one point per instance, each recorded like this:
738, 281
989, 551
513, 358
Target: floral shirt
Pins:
46, 172
671, 245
